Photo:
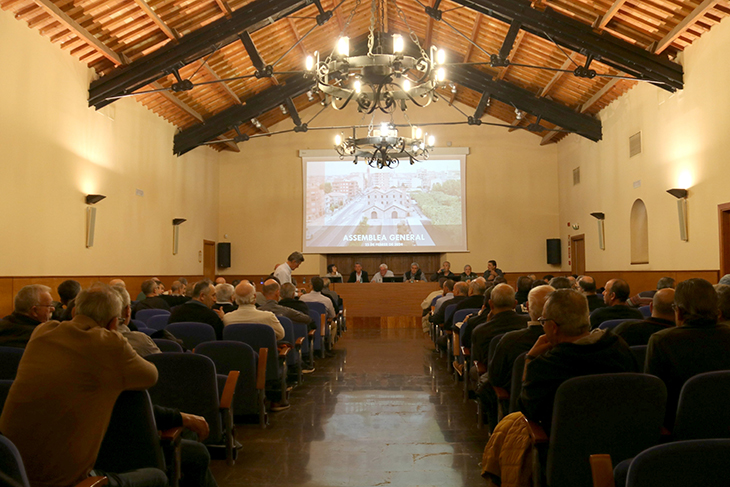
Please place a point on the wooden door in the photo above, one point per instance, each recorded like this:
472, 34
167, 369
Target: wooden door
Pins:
724, 217
578, 251
209, 259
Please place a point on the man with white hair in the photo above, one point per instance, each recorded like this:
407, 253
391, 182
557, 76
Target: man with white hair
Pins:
67, 384
247, 313
283, 271
224, 297
272, 294
33, 305
383, 272
141, 342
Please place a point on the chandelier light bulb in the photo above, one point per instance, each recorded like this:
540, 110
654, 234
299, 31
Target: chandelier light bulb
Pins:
309, 64
338, 139
357, 86
440, 56
441, 74
397, 43
343, 46
384, 129
419, 133
431, 140
406, 85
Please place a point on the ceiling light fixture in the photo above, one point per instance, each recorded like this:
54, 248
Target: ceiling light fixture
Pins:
384, 147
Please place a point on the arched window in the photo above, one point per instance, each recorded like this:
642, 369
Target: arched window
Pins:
639, 233
374, 215
394, 214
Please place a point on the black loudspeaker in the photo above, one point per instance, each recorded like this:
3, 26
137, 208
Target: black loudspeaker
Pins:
224, 254
553, 251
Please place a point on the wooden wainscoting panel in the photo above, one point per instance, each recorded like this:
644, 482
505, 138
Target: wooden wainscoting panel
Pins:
6, 296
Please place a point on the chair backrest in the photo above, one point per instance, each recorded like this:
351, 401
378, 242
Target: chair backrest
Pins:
703, 410
302, 331
611, 324
493, 344
188, 382
257, 336
158, 322
167, 345
145, 314
4, 390
449, 312
138, 323
9, 360
234, 355
518, 368
433, 301
317, 318
292, 358
321, 309
148, 331
10, 462
461, 314
645, 311
318, 307
191, 333
695, 462
131, 441
616, 414
639, 352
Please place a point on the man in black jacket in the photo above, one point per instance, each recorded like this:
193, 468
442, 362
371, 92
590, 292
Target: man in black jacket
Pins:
33, 305
615, 296
199, 309
587, 286
358, 275
477, 287
444, 273
289, 298
662, 317
151, 300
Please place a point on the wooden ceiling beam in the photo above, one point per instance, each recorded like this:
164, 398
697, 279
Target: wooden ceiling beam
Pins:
223, 5
685, 24
51, 9
470, 47
338, 15
297, 36
429, 26
556, 77
550, 136
610, 13
169, 32
222, 85
515, 47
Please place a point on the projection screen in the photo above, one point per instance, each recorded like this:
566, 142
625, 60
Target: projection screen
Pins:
354, 208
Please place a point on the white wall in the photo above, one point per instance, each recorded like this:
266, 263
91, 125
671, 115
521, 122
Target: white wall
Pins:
511, 192
54, 150
685, 144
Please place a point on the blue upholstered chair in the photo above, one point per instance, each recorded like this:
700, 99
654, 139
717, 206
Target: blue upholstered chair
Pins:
294, 355
703, 410
611, 324
231, 355
147, 331
158, 322
645, 310
320, 320
189, 382
145, 314
137, 323
639, 352
321, 309
167, 345
9, 361
192, 333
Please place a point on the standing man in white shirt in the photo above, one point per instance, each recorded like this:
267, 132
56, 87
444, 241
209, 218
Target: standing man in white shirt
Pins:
283, 271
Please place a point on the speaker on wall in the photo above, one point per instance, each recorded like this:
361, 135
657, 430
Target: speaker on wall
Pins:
553, 251
224, 254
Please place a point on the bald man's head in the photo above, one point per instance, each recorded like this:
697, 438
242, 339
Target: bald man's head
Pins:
461, 288
245, 293
661, 304
536, 300
502, 298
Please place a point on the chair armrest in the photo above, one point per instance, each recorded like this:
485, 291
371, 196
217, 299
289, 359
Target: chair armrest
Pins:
229, 389
602, 470
501, 393
481, 368
283, 351
93, 482
299, 342
311, 333
537, 434
323, 324
171, 435
466, 352
261, 369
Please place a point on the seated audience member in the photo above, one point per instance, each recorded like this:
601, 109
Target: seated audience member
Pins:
67, 291
283, 271
447, 293
445, 273
697, 344
475, 299
176, 296
492, 272
332, 271
662, 317
474, 320
118, 282
560, 282
511, 345
644, 297
290, 300
546, 278
587, 286
382, 272
358, 275
220, 280
723, 296
272, 294
524, 284
83, 365
198, 309
247, 313
151, 300
567, 349
33, 305
468, 275
426, 308
224, 298
461, 291
615, 296
140, 342
316, 296
334, 297
502, 318
415, 274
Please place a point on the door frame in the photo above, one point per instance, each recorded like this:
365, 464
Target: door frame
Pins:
573, 253
724, 235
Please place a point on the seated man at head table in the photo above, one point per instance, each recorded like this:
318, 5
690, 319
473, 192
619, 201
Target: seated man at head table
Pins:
415, 274
382, 272
445, 273
358, 275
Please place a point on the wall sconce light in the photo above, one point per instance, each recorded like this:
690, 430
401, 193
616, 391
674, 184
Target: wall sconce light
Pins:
601, 230
91, 199
681, 195
176, 222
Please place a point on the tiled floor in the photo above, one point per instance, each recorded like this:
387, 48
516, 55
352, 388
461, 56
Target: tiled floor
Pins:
381, 411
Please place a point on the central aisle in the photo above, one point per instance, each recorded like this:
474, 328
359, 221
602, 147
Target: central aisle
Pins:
381, 411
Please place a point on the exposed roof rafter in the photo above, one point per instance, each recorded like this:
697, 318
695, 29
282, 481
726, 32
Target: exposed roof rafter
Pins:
685, 24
